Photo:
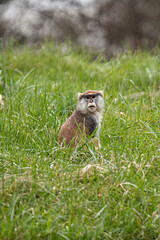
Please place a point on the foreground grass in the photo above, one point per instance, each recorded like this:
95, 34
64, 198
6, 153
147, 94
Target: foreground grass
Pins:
45, 191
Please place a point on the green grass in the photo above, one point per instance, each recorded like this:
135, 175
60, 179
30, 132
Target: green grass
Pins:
43, 192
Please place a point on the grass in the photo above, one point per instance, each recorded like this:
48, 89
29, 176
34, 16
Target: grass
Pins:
48, 192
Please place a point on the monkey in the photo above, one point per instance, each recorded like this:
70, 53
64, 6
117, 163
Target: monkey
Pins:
85, 120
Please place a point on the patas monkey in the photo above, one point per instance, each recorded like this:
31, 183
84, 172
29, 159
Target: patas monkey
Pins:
85, 120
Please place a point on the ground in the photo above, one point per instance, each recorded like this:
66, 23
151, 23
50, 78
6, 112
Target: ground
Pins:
50, 192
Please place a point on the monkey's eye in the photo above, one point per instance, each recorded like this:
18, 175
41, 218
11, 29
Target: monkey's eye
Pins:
93, 96
88, 97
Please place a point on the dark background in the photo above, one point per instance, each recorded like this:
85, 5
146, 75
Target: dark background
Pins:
110, 26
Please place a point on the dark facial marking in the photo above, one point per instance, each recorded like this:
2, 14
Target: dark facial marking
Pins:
88, 96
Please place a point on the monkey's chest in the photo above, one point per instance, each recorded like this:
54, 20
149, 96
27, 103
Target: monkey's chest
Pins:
91, 124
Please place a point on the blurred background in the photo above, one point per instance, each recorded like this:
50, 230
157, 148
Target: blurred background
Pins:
108, 26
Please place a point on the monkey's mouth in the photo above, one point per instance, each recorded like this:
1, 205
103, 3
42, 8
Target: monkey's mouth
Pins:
91, 107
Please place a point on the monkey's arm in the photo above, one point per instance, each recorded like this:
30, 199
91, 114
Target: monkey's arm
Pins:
66, 134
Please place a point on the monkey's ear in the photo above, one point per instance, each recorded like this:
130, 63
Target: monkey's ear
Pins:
79, 95
101, 93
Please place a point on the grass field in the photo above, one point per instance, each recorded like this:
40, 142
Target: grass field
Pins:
48, 192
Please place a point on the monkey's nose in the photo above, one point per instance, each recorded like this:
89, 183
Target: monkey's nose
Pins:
91, 100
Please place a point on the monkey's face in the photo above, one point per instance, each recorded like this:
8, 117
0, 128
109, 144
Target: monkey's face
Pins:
91, 102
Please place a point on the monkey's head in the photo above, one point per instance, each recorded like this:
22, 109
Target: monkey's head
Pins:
90, 101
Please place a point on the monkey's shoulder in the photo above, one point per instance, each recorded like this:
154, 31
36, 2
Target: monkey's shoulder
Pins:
74, 120
77, 119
